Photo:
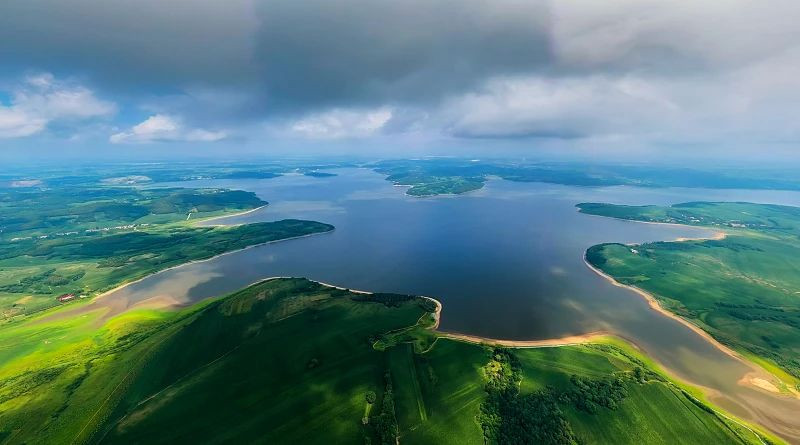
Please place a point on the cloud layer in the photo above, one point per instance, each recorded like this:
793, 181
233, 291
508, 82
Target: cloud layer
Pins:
654, 72
163, 128
41, 100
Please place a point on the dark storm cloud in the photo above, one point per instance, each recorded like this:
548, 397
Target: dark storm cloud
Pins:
285, 54
713, 70
130, 45
360, 51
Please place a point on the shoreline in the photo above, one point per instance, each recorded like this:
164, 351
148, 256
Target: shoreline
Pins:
750, 379
570, 340
656, 306
719, 233
104, 294
91, 305
204, 222
543, 343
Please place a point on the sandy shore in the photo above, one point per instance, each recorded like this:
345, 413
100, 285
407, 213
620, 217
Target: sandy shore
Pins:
62, 311
546, 343
753, 379
717, 236
205, 222
719, 233
656, 306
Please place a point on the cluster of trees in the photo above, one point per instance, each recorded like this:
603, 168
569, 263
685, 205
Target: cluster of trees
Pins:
777, 315
42, 283
385, 422
389, 300
590, 395
594, 255
508, 417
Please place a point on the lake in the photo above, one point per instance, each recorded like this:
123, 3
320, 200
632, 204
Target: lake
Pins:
506, 262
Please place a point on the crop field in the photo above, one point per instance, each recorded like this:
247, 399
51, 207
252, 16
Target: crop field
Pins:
743, 289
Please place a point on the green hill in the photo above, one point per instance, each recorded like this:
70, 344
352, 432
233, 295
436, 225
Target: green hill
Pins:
293, 361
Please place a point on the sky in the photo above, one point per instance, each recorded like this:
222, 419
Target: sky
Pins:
600, 79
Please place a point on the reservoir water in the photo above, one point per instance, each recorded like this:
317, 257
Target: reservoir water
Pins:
506, 262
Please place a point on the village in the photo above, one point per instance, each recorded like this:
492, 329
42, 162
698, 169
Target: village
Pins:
75, 232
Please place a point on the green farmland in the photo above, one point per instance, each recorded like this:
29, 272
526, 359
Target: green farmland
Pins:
293, 361
743, 289
55, 242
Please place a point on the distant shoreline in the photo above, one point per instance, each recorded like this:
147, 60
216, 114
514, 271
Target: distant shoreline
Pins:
90, 305
570, 340
204, 222
719, 232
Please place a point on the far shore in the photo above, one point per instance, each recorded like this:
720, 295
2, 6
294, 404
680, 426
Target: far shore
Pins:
205, 222
64, 310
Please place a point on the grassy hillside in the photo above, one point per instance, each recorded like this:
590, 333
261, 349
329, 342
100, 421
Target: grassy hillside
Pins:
743, 289
292, 361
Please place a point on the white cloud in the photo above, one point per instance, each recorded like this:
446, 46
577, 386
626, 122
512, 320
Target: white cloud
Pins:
165, 128
561, 107
754, 103
42, 99
15, 123
342, 123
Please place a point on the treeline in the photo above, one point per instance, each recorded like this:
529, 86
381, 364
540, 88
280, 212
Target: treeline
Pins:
594, 255
385, 422
509, 417
591, 395
42, 283
387, 299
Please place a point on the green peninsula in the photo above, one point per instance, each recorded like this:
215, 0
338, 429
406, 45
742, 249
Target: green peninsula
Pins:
744, 289
78, 242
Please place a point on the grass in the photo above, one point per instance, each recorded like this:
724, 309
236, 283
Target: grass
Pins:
52, 213
33, 273
452, 387
743, 290
291, 361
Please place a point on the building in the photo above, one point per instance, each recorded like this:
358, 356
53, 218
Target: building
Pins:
66, 297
